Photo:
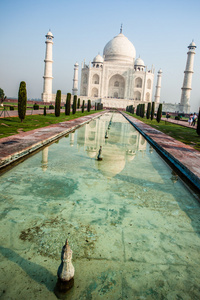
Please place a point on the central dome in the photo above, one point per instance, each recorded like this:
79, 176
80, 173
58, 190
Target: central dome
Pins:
119, 48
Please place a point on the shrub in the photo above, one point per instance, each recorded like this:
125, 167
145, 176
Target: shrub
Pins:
152, 110
45, 110
177, 118
83, 106
57, 103
78, 106
12, 108
22, 100
68, 104
95, 106
142, 110
181, 115
148, 110
74, 104
51, 106
88, 105
36, 106
159, 113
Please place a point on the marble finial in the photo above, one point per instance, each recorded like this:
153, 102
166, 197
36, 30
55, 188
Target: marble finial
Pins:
66, 269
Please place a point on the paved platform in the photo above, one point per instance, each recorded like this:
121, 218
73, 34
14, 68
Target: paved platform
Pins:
183, 157
179, 122
19, 145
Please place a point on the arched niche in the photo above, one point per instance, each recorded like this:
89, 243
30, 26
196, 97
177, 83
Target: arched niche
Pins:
95, 79
94, 92
149, 83
84, 91
85, 78
147, 97
138, 82
137, 95
116, 87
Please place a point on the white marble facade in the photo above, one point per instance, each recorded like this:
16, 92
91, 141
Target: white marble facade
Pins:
117, 79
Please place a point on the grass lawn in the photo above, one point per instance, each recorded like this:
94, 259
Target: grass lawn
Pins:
185, 135
11, 126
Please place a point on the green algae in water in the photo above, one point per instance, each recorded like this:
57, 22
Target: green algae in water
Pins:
132, 225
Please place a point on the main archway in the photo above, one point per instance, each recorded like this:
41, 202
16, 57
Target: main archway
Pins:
116, 87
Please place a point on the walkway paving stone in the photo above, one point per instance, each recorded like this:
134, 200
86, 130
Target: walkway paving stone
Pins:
184, 157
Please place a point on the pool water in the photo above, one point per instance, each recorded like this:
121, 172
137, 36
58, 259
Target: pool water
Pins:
132, 224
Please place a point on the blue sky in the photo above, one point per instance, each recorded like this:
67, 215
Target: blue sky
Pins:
159, 30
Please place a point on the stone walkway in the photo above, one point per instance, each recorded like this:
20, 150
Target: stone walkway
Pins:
14, 113
179, 122
19, 145
183, 157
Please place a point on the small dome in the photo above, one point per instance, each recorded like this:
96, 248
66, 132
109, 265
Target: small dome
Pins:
76, 64
160, 71
119, 48
49, 34
139, 62
192, 44
98, 59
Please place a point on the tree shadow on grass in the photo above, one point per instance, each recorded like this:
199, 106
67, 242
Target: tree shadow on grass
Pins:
36, 272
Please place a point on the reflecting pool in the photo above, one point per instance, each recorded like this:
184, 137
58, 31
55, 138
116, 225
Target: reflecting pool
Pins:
134, 228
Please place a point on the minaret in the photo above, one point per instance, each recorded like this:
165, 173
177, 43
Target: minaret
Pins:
75, 80
47, 88
187, 81
158, 87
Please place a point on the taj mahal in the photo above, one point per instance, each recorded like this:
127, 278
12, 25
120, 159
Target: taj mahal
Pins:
118, 79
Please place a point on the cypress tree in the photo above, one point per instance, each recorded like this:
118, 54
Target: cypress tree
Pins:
152, 110
74, 104
78, 106
83, 106
45, 111
142, 110
198, 123
88, 105
148, 110
22, 100
68, 104
159, 113
57, 103
95, 106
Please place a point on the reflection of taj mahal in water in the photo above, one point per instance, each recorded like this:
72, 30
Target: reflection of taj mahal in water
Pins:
117, 149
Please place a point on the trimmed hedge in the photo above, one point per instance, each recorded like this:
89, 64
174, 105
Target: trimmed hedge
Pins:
22, 100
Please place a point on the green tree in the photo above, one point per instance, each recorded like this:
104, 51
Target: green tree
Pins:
45, 111
159, 113
142, 111
198, 123
2, 95
88, 105
57, 103
68, 104
74, 104
83, 106
148, 110
22, 100
152, 110
78, 106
